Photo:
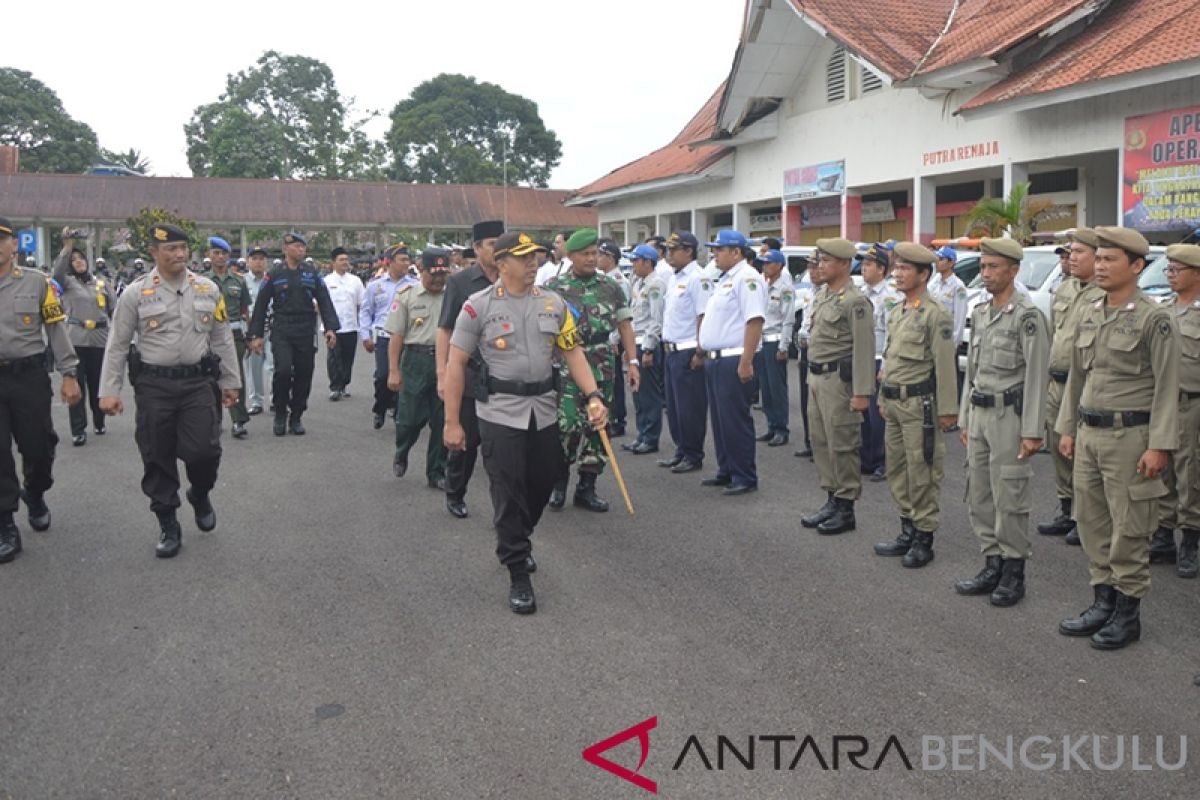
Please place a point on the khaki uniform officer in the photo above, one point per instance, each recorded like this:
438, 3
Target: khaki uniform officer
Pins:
1119, 421
179, 318
841, 363
29, 309
918, 395
1072, 295
1001, 416
518, 330
1181, 508
412, 369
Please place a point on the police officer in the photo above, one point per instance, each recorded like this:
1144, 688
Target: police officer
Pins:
29, 308
184, 353
288, 293
237, 310
883, 296
1001, 416
730, 335
517, 329
1119, 422
770, 365
460, 463
647, 298
687, 403
917, 397
1074, 294
87, 300
841, 365
949, 290
371, 317
412, 334
1181, 507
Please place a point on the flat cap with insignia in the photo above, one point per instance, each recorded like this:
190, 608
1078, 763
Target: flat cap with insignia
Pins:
582, 239
682, 239
399, 248
257, 251
165, 233
6, 228
1009, 248
877, 254
294, 238
516, 244
1185, 254
489, 229
1127, 239
838, 248
435, 260
645, 252
1085, 236
728, 238
611, 248
914, 253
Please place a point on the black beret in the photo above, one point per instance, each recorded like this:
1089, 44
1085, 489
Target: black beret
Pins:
6, 228
257, 251
490, 229
164, 233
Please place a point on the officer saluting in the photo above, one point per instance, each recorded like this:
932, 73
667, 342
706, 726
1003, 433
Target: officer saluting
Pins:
517, 329
1001, 418
1119, 421
184, 352
28, 306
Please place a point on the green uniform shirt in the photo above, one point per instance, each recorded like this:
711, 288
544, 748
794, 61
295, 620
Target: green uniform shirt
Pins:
598, 305
235, 292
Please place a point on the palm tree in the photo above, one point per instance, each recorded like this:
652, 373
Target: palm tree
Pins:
131, 159
1017, 214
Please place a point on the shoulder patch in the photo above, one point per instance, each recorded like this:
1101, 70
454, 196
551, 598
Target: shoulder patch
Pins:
1164, 328
470, 309
859, 312
1029, 323
947, 332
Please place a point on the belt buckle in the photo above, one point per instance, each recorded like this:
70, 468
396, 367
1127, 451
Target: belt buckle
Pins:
89, 324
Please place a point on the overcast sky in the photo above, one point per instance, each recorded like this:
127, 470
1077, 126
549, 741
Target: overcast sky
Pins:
614, 79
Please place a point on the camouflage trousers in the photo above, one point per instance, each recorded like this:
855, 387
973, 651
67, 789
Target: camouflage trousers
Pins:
580, 442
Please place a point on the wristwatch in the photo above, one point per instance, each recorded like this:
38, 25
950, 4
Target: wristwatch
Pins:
71, 373
633, 362
598, 395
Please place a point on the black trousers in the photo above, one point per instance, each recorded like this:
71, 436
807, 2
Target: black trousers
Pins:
91, 360
385, 398
25, 419
177, 420
460, 464
522, 466
291, 384
340, 362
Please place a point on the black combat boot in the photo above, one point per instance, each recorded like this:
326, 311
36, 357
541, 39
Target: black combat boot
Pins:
1187, 566
1123, 628
10, 538
1072, 538
170, 537
902, 542
295, 427
823, 513
39, 512
1012, 583
842, 519
921, 552
521, 599
206, 516
558, 496
585, 494
986, 581
1162, 546
1093, 618
1060, 525
280, 426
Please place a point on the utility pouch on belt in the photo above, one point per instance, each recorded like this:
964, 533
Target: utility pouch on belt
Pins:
479, 386
210, 365
846, 370
928, 431
135, 364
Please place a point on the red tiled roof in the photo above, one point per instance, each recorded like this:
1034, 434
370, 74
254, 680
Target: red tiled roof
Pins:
986, 28
1129, 36
270, 203
677, 158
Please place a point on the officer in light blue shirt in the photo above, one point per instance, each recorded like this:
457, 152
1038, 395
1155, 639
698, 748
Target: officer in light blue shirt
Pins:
730, 335
687, 295
372, 316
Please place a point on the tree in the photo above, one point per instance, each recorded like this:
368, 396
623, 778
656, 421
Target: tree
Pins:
35, 121
140, 225
453, 129
226, 141
1018, 214
132, 159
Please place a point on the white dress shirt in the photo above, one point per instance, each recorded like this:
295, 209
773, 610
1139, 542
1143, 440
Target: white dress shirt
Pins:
687, 296
347, 293
550, 271
740, 296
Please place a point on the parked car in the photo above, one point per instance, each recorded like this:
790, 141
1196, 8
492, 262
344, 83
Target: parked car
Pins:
1153, 280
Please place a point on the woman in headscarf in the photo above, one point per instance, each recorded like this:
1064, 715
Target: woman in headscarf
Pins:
88, 302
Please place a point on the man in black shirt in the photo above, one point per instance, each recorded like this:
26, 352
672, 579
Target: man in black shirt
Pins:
461, 463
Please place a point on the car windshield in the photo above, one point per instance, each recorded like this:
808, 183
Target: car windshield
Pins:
1155, 275
1035, 268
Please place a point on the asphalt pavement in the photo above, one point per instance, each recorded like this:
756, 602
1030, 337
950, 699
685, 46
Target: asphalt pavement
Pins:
341, 636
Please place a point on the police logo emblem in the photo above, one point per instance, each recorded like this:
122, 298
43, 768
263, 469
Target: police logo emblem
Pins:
860, 312
1164, 329
160, 234
153, 324
947, 333
501, 344
27, 319
1030, 326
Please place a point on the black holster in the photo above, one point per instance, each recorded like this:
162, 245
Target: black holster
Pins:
481, 374
210, 365
846, 369
134, 362
928, 429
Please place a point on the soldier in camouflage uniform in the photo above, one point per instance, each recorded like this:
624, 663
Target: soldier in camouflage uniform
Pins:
600, 307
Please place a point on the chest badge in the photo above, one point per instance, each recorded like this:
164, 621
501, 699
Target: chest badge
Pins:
27, 319
418, 322
89, 324
152, 324
501, 344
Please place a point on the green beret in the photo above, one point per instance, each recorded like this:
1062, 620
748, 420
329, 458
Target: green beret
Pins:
1185, 254
1125, 238
838, 248
582, 239
1009, 248
1085, 236
914, 253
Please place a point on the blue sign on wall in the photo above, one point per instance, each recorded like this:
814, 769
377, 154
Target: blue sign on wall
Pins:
27, 240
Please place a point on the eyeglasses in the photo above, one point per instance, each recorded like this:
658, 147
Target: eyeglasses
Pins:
1175, 269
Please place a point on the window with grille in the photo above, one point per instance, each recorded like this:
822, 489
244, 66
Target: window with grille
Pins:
835, 76
869, 81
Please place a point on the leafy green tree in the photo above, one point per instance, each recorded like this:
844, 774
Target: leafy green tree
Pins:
34, 120
454, 129
226, 141
140, 225
131, 159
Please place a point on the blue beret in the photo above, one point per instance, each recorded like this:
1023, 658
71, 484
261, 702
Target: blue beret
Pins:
219, 243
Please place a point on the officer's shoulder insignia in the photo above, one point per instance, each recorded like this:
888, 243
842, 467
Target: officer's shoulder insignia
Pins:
1029, 323
1164, 327
860, 312
470, 309
752, 285
405, 289
202, 288
149, 292
705, 284
947, 332
17, 272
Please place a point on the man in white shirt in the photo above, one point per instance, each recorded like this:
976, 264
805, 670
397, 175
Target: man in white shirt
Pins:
884, 297
609, 262
258, 366
949, 290
347, 293
663, 268
559, 264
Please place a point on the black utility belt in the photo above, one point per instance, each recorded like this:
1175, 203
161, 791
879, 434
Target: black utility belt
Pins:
14, 365
1110, 419
1010, 397
899, 391
88, 324
522, 388
424, 349
175, 373
1188, 395
1059, 375
843, 366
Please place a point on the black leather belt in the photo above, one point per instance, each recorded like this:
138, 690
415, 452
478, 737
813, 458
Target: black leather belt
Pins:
1109, 419
899, 391
521, 388
1188, 395
829, 366
175, 373
426, 349
1059, 375
90, 324
15, 365
1011, 397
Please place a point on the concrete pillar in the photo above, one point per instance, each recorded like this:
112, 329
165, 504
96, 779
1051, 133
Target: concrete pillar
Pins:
700, 225
924, 222
662, 224
629, 238
90, 246
339, 237
43, 246
852, 215
1081, 193
741, 218
1013, 174
243, 245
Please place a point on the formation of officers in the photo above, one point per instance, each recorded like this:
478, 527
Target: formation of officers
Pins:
521, 357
